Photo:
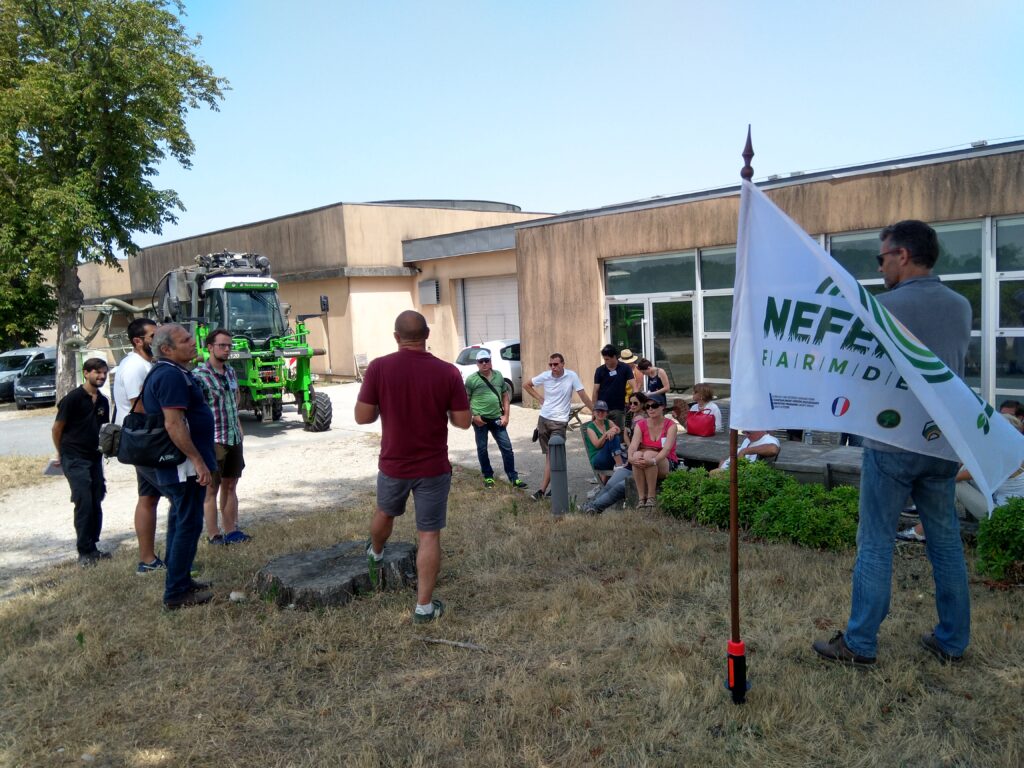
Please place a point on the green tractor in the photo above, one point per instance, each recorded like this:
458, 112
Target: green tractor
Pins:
234, 291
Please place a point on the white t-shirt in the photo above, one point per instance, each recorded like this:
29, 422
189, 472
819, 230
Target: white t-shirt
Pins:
1011, 488
128, 382
557, 394
768, 439
715, 411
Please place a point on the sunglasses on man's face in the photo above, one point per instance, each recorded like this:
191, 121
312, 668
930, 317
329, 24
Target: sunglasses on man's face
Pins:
484, 360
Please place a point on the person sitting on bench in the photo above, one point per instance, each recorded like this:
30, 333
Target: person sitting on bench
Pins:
757, 444
603, 440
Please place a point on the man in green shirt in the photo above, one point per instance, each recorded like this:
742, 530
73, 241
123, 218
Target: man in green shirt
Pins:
489, 404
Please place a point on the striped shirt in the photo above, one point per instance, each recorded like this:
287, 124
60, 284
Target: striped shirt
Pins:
222, 395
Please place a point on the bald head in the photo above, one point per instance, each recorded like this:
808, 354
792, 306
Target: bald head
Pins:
411, 326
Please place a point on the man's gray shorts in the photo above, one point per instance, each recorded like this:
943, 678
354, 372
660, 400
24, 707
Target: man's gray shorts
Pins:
546, 428
429, 494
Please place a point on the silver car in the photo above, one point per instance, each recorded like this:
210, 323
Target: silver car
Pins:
504, 359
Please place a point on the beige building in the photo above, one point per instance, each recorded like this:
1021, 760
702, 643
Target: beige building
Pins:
657, 276
352, 255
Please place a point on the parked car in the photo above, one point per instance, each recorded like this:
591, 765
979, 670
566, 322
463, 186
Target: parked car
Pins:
12, 363
504, 359
37, 384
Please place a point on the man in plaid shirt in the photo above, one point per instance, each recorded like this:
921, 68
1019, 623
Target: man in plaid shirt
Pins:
221, 385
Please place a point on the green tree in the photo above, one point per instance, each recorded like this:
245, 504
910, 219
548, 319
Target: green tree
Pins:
94, 94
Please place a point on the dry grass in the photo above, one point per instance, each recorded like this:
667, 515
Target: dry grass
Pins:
23, 472
605, 645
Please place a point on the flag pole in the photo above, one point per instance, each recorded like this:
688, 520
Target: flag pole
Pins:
736, 655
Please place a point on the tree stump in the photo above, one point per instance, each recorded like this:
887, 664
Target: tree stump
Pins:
333, 576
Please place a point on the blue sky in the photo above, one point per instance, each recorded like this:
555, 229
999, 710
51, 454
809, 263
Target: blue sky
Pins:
564, 105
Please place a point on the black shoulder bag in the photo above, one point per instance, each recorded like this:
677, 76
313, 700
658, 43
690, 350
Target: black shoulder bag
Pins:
144, 438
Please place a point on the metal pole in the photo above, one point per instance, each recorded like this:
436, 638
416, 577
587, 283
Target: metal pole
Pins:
559, 476
736, 658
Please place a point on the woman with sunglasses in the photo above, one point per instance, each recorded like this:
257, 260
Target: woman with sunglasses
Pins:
634, 410
652, 451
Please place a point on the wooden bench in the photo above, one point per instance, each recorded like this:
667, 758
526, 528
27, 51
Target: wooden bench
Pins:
828, 464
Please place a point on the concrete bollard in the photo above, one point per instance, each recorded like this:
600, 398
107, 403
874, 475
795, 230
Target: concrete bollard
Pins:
559, 475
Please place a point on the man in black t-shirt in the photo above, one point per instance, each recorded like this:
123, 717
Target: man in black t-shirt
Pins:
610, 381
76, 436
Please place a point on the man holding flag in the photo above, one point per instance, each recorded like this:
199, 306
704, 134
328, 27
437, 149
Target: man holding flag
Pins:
941, 320
811, 348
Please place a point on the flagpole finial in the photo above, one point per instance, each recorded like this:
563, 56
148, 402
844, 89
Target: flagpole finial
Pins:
747, 172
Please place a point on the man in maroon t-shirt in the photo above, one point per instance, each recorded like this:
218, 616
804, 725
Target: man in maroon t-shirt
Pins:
416, 396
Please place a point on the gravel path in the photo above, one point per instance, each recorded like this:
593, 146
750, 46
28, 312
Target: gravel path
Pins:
289, 472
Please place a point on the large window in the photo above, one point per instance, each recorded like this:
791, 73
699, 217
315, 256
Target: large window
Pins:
1009, 342
670, 272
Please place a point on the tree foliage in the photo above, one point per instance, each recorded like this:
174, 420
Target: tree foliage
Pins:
94, 94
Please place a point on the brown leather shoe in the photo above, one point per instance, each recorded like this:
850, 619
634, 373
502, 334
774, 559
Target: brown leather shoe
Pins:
837, 650
930, 644
187, 599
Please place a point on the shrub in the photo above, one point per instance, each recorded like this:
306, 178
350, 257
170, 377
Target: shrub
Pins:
1001, 542
772, 505
810, 516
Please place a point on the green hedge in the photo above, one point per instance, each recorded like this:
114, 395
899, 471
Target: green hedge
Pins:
1001, 543
771, 505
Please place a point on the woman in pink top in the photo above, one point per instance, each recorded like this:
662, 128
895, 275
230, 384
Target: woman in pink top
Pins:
652, 451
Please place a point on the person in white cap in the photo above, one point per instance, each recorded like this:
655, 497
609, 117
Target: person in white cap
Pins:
489, 402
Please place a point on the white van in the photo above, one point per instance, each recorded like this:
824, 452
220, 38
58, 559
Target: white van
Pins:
15, 361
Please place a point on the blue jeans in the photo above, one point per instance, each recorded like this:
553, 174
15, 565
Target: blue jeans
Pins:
493, 427
184, 526
887, 479
605, 456
613, 491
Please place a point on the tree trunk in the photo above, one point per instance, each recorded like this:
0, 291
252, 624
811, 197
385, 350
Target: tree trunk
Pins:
69, 299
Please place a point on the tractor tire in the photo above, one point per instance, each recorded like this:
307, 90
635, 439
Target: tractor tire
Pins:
320, 418
278, 410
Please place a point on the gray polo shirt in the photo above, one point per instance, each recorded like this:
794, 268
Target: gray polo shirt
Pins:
938, 316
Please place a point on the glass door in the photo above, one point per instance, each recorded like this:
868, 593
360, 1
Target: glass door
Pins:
672, 341
626, 325
660, 330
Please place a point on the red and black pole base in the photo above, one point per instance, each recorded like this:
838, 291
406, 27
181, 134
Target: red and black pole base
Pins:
736, 682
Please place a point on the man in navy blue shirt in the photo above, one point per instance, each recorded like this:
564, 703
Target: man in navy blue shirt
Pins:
610, 382
172, 391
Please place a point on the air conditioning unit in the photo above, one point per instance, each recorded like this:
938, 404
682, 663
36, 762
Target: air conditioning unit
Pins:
430, 292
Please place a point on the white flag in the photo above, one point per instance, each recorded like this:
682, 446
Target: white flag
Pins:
812, 349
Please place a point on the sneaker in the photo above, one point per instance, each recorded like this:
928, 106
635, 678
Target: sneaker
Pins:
837, 650
216, 541
910, 534
373, 566
156, 565
88, 560
188, 599
517, 483
537, 495
426, 618
930, 644
101, 555
199, 586
588, 509
237, 537
488, 482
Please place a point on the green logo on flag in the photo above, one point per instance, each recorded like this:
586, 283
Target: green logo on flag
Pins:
889, 419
